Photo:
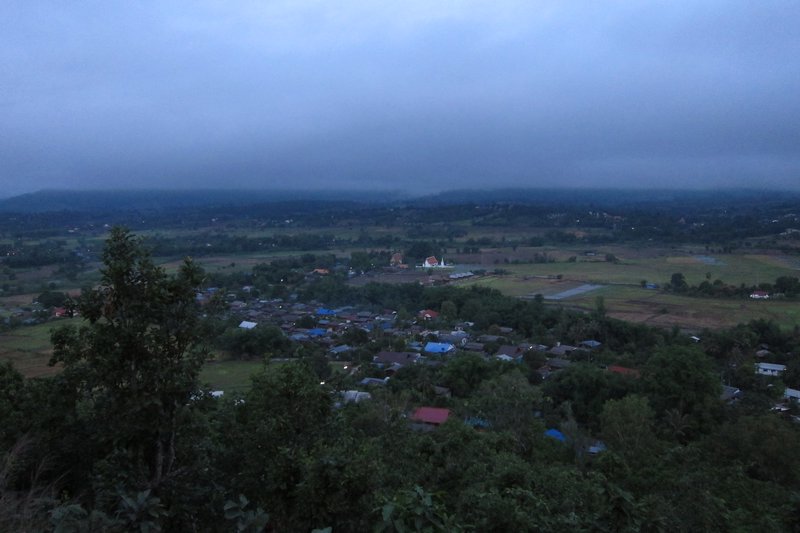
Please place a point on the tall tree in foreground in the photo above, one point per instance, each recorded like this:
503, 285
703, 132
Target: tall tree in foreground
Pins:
134, 363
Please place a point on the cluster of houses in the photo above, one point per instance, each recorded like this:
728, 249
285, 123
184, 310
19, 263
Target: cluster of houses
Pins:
425, 345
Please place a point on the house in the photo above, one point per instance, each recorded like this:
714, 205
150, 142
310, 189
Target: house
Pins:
453, 338
770, 369
388, 359
477, 422
439, 347
473, 346
245, 324
396, 260
440, 391
428, 314
560, 350
373, 381
432, 262
624, 371
730, 394
355, 396
558, 364
555, 434
759, 295
591, 344
429, 416
512, 351
791, 394
596, 447
338, 350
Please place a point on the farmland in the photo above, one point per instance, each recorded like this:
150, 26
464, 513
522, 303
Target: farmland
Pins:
29, 348
626, 298
571, 255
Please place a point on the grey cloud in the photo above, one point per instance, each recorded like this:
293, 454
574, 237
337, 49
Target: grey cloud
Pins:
426, 95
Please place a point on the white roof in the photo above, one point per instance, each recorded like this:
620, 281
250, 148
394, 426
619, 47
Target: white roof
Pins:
771, 366
247, 325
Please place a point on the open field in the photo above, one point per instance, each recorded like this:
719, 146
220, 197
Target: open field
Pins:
626, 299
230, 375
29, 348
656, 308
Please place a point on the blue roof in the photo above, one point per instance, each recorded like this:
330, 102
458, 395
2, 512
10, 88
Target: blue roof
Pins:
477, 422
316, 332
438, 347
325, 312
555, 434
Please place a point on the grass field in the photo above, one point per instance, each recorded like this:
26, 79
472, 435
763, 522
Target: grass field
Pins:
29, 348
626, 299
230, 376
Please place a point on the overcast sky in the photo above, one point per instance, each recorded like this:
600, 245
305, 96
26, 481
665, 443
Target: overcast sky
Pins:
421, 95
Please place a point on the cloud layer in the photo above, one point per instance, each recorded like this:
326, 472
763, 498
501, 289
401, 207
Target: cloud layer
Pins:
419, 95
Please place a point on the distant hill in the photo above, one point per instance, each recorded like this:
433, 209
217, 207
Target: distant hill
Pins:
603, 197
119, 201
156, 200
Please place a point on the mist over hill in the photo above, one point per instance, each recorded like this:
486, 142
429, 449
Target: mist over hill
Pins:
92, 201
110, 201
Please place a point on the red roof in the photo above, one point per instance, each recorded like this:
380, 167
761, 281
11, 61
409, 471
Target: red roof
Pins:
428, 313
624, 371
430, 415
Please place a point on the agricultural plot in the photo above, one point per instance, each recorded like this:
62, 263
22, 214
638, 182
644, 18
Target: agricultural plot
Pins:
29, 348
625, 298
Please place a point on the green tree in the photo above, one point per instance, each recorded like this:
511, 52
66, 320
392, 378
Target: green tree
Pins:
508, 402
135, 361
678, 282
681, 381
51, 298
627, 427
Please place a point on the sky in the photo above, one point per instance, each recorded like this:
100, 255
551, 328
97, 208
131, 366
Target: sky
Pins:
419, 95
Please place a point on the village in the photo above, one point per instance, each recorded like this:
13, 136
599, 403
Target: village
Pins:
343, 335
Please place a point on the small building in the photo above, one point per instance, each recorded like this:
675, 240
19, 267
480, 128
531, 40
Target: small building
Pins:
355, 396
759, 295
561, 350
624, 371
555, 434
396, 260
730, 394
388, 359
245, 324
378, 382
431, 262
428, 314
791, 394
428, 418
338, 350
439, 347
770, 369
